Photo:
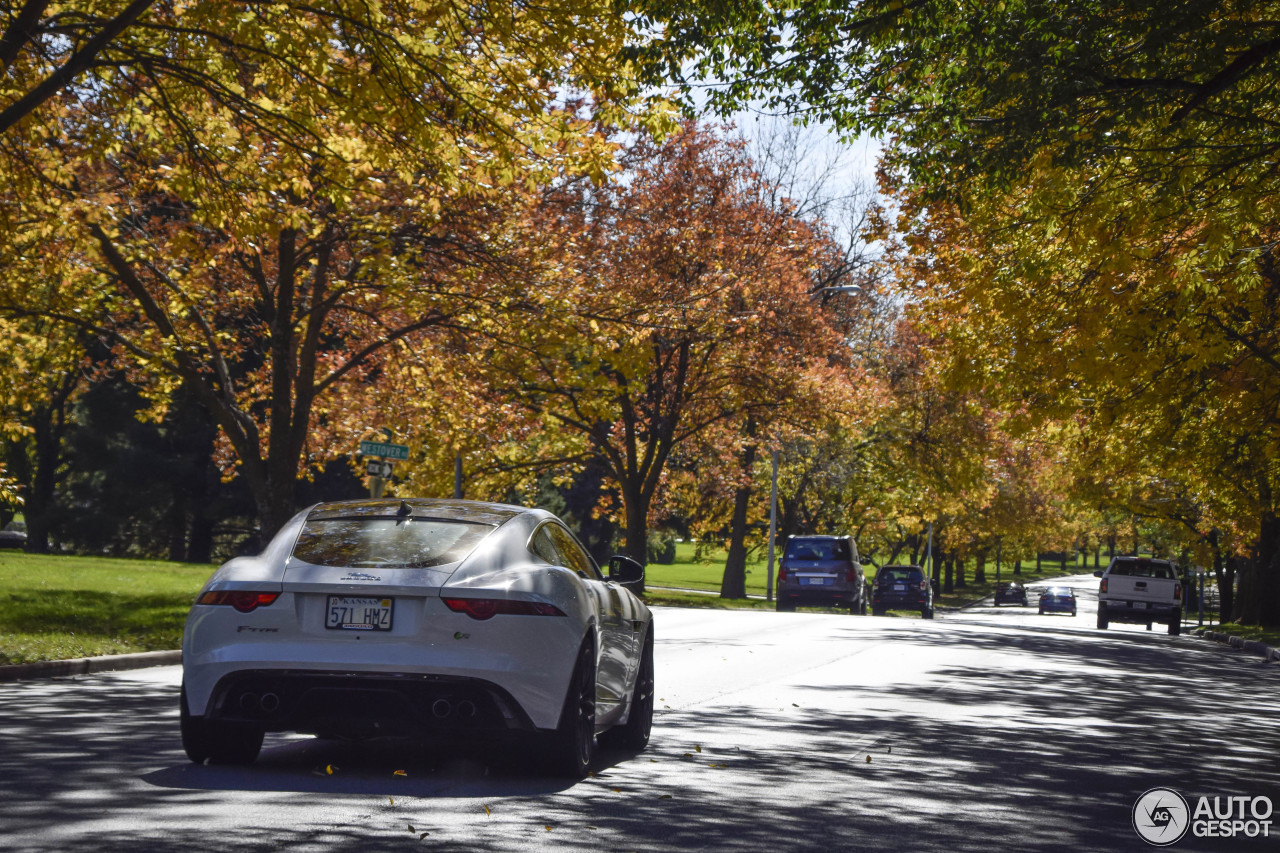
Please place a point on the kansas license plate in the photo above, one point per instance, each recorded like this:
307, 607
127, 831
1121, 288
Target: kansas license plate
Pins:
351, 613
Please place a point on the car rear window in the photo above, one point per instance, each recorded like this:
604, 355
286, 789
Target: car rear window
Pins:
899, 575
387, 543
820, 549
1142, 569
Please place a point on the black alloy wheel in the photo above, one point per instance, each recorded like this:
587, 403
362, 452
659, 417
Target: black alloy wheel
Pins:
572, 746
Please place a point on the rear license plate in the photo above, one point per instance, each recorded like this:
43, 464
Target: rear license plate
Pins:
899, 587
349, 613
1139, 605
816, 581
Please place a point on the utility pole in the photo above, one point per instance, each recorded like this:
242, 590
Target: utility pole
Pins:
773, 529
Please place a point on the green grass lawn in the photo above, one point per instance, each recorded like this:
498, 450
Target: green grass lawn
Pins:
1270, 636
690, 573
57, 607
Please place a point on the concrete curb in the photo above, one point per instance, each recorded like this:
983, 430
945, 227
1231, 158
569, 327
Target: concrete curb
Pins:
1251, 646
83, 666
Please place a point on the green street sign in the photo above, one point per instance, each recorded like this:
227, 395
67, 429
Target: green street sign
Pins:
385, 450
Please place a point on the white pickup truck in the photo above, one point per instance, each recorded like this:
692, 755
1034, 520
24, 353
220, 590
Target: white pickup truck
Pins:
1140, 590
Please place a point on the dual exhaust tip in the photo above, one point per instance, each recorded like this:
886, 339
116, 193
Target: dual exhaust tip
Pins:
443, 708
252, 703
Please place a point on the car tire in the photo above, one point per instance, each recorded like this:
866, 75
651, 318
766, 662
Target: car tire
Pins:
217, 742
877, 611
634, 733
1103, 621
1041, 611
862, 606
785, 606
1175, 624
571, 748
927, 613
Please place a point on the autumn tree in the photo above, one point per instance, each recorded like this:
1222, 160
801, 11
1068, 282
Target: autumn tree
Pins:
260, 203
1110, 161
668, 300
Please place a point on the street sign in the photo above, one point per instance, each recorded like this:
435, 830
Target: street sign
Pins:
385, 450
378, 468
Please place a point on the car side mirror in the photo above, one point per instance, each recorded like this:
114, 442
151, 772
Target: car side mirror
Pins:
625, 571
1098, 574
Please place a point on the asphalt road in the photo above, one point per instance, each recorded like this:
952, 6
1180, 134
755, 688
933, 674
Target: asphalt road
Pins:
990, 728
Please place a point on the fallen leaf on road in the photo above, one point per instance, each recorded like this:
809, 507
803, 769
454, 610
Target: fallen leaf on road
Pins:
486, 810
616, 790
399, 773
868, 759
411, 829
547, 827
698, 748
423, 835
329, 768
665, 797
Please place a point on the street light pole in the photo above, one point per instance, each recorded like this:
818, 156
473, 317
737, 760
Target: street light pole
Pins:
773, 529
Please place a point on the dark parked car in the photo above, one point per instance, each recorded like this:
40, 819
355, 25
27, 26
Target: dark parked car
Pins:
1058, 599
902, 588
14, 535
821, 570
1011, 593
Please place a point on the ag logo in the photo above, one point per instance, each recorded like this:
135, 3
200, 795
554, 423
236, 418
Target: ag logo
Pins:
1161, 816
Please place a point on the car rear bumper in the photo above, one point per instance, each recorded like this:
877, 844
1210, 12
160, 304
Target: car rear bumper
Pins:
818, 595
900, 602
1130, 611
365, 704
1057, 607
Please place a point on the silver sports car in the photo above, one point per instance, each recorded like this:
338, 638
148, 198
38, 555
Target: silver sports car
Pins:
419, 618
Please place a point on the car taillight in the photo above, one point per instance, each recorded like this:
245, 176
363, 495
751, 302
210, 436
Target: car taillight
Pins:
782, 573
487, 608
243, 600
924, 585
851, 576
1102, 587
1177, 592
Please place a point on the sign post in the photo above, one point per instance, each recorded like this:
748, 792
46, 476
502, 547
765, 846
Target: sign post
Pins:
379, 469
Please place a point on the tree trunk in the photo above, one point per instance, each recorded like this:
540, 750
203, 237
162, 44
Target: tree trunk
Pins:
635, 539
960, 581
734, 582
949, 581
980, 567
1265, 599
1017, 567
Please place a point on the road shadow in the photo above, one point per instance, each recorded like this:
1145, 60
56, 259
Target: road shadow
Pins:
1046, 749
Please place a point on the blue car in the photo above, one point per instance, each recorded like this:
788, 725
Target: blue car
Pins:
1058, 599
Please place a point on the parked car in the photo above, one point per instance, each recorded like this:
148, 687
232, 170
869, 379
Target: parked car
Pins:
902, 588
821, 570
459, 619
1140, 590
1011, 593
14, 535
1058, 599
